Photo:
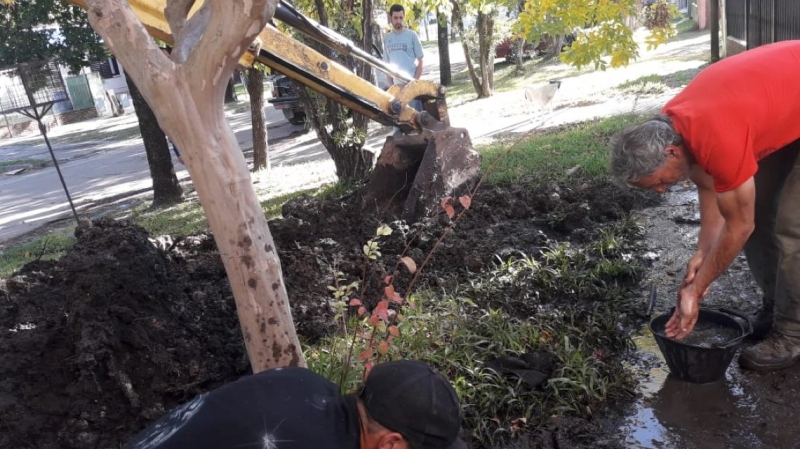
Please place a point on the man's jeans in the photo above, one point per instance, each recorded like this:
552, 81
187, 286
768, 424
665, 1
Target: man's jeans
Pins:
773, 250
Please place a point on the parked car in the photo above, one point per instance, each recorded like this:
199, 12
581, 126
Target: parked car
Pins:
508, 49
285, 98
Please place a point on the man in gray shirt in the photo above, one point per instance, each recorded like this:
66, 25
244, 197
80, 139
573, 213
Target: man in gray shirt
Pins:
403, 49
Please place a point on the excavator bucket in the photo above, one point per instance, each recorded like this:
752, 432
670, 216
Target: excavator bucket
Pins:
425, 160
416, 171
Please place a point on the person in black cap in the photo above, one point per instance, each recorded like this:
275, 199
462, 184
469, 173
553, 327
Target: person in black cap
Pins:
401, 405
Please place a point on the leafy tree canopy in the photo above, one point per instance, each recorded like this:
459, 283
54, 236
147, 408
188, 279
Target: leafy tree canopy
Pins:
42, 29
601, 27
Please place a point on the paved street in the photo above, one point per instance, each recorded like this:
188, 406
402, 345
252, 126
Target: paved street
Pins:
98, 170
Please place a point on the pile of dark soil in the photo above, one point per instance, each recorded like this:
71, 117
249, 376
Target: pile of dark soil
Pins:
110, 337
123, 328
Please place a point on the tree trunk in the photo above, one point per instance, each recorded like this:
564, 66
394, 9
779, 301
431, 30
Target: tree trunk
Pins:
445, 71
255, 89
360, 121
186, 91
458, 20
558, 45
230, 92
344, 141
352, 162
520, 56
715, 29
485, 53
166, 188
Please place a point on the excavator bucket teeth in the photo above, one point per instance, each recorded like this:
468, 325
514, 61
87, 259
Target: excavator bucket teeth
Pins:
415, 172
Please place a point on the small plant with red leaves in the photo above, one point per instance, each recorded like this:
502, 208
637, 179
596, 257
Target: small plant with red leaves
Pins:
377, 328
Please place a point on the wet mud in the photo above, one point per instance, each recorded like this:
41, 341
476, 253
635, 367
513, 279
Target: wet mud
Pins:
745, 410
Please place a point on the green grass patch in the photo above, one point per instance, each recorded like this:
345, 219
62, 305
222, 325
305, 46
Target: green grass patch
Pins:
50, 247
181, 219
645, 85
188, 218
657, 83
240, 90
641, 81
547, 157
685, 25
36, 163
508, 78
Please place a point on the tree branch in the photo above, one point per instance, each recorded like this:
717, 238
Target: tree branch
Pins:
232, 26
176, 13
190, 34
127, 38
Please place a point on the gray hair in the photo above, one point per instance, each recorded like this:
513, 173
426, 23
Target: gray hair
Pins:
638, 150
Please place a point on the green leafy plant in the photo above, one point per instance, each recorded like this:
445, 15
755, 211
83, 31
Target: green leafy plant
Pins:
371, 333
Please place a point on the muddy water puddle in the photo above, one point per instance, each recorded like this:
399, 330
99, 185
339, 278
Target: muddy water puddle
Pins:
675, 414
709, 335
745, 410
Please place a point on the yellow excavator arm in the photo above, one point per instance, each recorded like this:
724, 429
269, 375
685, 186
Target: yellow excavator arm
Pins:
310, 68
418, 168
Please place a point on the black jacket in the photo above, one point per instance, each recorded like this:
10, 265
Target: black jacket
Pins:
288, 408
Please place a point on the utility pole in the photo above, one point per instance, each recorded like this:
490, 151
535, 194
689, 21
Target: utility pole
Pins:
723, 15
714, 30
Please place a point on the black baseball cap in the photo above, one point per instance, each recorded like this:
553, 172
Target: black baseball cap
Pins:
415, 400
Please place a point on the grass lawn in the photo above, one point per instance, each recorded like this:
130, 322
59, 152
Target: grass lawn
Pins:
507, 78
548, 157
36, 163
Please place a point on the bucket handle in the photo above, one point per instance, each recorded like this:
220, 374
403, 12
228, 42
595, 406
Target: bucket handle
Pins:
653, 298
748, 331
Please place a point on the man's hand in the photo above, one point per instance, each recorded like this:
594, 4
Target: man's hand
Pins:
685, 316
692, 267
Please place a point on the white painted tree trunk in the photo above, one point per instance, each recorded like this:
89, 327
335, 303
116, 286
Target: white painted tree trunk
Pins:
186, 92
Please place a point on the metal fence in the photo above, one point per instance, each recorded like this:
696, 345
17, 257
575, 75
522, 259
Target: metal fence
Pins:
759, 22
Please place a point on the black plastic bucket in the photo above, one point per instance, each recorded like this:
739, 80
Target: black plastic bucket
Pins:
698, 364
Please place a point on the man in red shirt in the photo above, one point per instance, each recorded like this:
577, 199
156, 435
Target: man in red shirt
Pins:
735, 132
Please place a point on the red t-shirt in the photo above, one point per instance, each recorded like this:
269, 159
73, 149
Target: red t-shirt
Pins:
740, 110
